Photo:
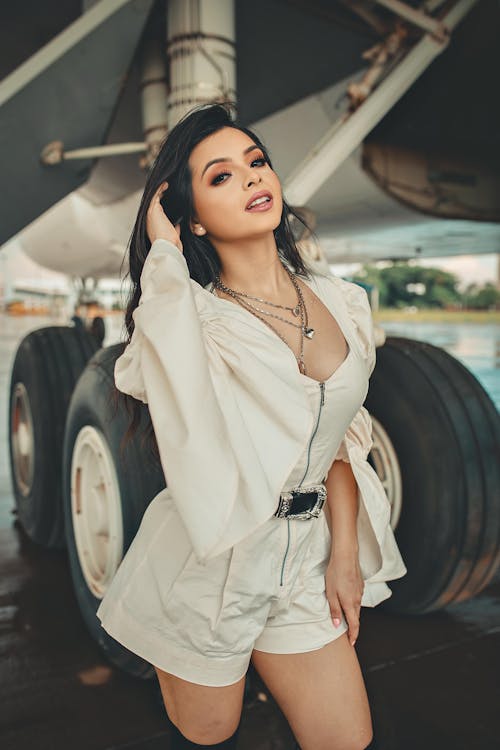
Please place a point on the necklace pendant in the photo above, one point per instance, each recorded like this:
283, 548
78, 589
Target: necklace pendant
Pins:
296, 310
309, 332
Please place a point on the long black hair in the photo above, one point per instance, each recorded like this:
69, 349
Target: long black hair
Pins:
172, 165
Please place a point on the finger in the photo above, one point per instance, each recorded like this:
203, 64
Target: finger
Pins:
335, 611
154, 202
159, 191
352, 624
155, 206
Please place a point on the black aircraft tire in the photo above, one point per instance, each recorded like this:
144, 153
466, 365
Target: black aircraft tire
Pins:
446, 431
138, 479
46, 367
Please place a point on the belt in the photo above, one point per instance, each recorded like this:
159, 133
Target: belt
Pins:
302, 502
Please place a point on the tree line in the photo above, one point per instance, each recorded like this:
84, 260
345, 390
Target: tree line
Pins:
402, 284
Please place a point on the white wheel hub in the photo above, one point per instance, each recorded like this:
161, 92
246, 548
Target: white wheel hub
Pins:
96, 510
386, 464
22, 439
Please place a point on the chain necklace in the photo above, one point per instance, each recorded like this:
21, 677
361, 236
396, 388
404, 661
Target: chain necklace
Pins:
295, 310
299, 309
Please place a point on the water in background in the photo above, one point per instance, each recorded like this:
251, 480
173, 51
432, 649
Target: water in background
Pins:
476, 345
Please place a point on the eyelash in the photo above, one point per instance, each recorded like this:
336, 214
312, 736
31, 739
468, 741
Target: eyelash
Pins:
213, 182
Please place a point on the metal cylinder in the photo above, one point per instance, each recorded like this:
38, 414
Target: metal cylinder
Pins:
201, 52
154, 97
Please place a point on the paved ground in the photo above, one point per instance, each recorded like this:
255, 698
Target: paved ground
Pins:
433, 681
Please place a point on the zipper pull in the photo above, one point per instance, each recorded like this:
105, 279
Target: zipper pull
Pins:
322, 386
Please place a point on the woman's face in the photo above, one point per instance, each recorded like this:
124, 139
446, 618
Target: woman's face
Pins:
222, 190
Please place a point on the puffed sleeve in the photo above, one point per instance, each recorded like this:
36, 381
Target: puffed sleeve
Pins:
379, 556
225, 449
359, 311
128, 375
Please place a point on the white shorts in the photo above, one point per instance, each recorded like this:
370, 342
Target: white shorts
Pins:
201, 621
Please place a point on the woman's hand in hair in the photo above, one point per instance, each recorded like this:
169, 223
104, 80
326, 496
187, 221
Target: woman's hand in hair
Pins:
158, 225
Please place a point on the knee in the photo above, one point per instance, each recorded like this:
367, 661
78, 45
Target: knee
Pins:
364, 743
203, 715
360, 741
369, 743
201, 726
207, 730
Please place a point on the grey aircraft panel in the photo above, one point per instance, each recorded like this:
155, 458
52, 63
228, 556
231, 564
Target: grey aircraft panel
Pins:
71, 99
285, 51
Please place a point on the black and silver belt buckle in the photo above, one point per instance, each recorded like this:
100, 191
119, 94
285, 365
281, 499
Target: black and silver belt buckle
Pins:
302, 502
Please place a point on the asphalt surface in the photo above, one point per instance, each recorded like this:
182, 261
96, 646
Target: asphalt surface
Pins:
433, 681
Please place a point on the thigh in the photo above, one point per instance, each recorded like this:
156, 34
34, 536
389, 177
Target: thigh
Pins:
203, 714
321, 693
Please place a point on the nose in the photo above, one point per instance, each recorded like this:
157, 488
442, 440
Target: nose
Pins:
253, 177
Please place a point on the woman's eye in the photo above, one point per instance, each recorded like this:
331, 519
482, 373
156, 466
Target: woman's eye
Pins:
216, 180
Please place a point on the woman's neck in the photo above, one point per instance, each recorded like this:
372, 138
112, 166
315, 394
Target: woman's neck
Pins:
253, 267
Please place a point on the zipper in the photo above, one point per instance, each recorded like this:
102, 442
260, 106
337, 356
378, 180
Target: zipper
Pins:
286, 552
321, 403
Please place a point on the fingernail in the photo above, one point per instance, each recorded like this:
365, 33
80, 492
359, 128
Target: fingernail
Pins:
336, 621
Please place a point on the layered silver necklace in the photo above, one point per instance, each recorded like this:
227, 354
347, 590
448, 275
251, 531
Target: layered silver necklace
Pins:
298, 310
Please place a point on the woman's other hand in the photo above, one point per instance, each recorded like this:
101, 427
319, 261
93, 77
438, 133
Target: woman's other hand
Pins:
158, 225
344, 589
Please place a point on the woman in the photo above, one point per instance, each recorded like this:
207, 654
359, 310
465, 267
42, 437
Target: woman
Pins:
273, 529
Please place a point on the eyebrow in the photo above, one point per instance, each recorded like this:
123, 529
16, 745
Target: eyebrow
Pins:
227, 158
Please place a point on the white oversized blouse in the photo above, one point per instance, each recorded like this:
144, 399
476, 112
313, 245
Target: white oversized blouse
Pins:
231, 415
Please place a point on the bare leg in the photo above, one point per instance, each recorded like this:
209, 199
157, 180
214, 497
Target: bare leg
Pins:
205, 715
322, 694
